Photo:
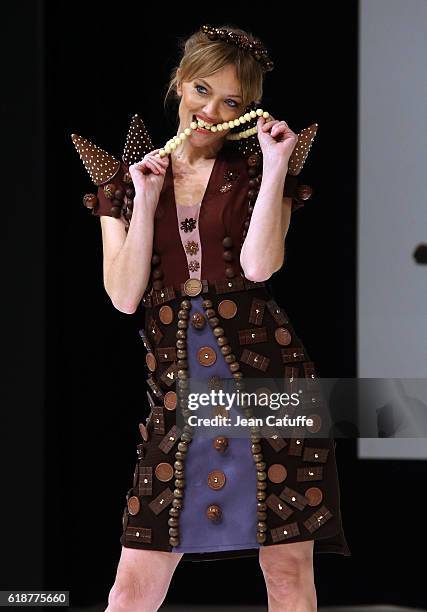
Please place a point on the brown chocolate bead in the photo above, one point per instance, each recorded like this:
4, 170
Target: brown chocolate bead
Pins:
127, 178
157, 285
227, 242
198, 320
220, 443
253, 160
277, 472
116, 211
304, 192
214, 512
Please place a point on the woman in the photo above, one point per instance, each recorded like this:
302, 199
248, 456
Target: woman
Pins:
211, 318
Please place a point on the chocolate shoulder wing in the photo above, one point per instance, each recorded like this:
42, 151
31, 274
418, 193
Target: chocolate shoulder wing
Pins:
115, 193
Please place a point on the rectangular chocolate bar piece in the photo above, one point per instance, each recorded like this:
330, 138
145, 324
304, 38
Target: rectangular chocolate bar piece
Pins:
278, 506
319, 455
154, 331
271, 435
278, 314
160, 296
138, 534
169, 439
251, 336
162, 501
145, 341
256, 314
319, 518
155, 388
158, 418
166, 353
294, 498
256, 360
292, 354
285, 532
145, 480
229, 285
309, 473
169, 375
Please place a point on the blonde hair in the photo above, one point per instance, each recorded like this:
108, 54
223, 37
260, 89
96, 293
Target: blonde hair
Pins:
202, 57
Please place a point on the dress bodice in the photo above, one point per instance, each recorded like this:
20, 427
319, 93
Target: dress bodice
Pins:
202, 240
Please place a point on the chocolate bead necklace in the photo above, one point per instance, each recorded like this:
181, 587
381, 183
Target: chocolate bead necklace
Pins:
174, 142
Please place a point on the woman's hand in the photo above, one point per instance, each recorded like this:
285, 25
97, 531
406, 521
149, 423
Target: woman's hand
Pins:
276, 139
148, 176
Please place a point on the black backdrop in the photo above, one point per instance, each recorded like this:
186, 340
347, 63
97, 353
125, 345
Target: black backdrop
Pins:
74, 385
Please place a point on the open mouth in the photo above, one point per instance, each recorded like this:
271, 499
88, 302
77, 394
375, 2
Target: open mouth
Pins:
203, 127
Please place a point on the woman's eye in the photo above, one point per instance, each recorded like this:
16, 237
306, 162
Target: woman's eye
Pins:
233, 102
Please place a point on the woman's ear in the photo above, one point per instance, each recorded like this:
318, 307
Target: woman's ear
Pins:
178, 82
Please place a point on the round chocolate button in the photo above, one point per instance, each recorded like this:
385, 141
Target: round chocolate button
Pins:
317, 423
170, 400
151, 361
192, 287
206, 355
283, 336
166, 315
314, 496
277, 472
227, 309
216, 479
214, 512
164, 471
133, 505
143, 431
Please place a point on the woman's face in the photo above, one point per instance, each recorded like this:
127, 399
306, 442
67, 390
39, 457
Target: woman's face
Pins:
215, 99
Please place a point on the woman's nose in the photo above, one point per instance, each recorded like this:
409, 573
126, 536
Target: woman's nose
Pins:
211, 110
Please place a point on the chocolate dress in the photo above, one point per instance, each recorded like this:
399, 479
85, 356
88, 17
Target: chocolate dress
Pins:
219, 496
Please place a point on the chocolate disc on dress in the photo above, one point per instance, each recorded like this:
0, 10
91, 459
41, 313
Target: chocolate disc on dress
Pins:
170, 400
283, 336
314, 496
166, 314
192, 287
151, 361
133, 505
277, 472
227, 309
214, 512
216, 479
206, 355
164, 471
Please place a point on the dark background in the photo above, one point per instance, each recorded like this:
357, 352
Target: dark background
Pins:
74, 389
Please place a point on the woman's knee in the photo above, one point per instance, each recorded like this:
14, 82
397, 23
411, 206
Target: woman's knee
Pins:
287, 567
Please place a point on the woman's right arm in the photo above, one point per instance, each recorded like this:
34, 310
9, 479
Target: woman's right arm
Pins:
127, 255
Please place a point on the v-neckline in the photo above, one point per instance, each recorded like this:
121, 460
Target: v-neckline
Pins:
207, 189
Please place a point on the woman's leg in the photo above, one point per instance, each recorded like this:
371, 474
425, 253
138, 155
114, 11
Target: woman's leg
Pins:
289, 576
142, 580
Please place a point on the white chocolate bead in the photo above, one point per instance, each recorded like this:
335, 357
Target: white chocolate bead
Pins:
236, 122
187, 131
231, 124
253, 114
213, 128
219, 127
225, 125
193, 125
247, 116
259, 112
265, 114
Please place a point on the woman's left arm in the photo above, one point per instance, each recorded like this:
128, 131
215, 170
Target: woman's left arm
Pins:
263, 250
